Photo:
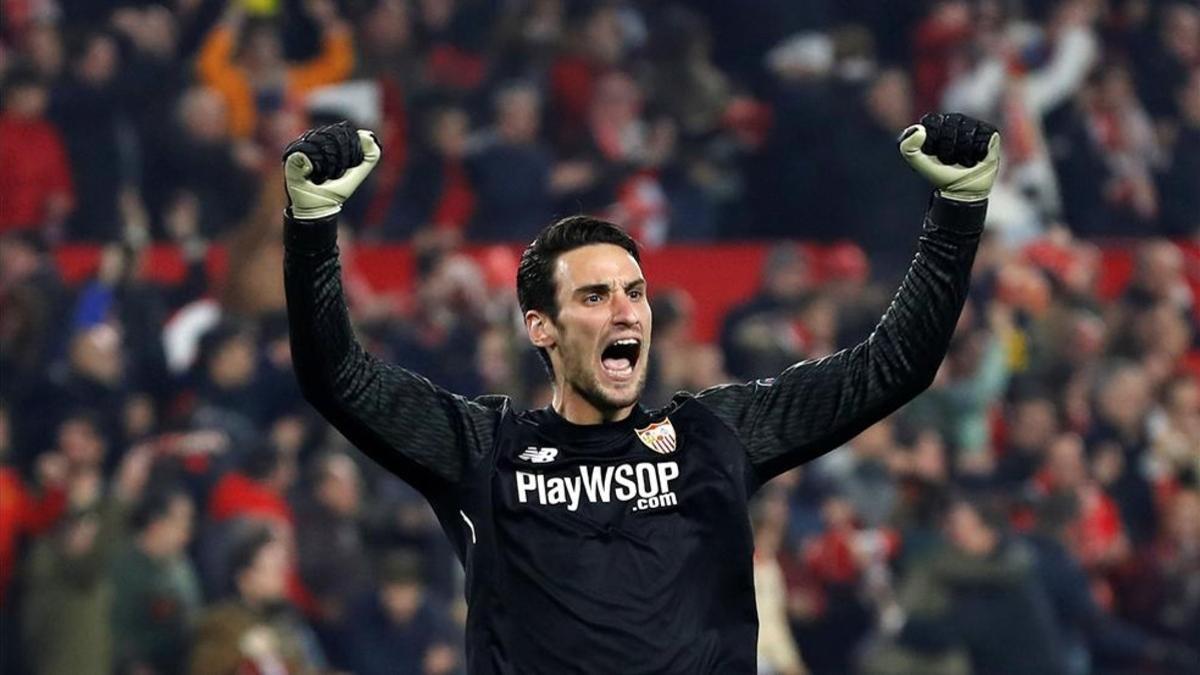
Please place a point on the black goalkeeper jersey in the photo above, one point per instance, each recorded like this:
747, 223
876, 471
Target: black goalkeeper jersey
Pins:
623, 547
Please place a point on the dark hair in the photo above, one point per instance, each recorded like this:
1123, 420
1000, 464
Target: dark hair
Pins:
400, 567
88, 416
319, 467
535, 275
215, 339
21, 76
990, 508
249, 540
262, 460
154, 506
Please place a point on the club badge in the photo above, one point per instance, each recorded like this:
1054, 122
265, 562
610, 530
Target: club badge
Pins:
659, 437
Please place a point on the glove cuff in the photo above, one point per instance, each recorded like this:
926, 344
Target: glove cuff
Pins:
315, 212
308, 235
964, 196
957, 216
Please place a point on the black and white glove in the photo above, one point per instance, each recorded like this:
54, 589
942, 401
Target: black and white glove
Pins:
325, 166
960, 155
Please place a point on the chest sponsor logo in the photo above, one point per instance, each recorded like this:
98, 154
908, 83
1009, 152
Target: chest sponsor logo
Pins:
646, 485
659, 437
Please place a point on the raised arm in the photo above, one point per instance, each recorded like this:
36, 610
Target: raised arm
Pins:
401, 420
815, 406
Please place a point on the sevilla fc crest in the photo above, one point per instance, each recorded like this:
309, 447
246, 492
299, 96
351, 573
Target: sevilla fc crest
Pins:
659, 437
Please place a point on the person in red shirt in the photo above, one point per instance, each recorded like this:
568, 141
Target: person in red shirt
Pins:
23, 512
35, 177
256, 493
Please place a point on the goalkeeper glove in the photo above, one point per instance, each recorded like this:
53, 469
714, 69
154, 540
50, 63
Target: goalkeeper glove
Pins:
325, 166
958, 154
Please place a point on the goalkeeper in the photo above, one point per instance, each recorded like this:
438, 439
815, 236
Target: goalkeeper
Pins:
599, 536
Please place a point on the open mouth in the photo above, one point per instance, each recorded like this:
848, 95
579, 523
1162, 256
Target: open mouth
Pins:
620, 356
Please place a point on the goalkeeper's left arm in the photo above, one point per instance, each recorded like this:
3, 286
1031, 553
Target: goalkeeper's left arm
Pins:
815, 406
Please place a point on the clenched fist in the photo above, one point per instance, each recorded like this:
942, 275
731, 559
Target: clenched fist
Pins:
325, 166
958, 154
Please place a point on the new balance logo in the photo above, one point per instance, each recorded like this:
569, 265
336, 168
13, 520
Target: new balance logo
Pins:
538, 455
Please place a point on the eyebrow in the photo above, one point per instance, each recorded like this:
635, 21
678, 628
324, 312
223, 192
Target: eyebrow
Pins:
596, 288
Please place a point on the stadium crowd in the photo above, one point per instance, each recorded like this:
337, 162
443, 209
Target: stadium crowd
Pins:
169, 503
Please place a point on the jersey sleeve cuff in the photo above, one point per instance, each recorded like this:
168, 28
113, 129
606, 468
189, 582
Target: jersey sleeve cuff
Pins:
960, 217
309, 236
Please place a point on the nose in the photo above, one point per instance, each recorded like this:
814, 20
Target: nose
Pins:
624, 313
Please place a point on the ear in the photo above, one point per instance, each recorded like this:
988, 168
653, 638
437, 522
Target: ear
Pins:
542, 331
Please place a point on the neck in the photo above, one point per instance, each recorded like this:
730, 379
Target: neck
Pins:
577, 409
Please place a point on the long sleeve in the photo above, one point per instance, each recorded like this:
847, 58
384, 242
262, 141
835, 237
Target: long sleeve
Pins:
404, 422
815, 406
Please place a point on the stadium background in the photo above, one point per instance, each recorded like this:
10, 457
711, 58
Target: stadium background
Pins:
168, 503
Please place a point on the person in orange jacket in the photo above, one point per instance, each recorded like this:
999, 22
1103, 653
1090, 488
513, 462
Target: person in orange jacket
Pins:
252, 74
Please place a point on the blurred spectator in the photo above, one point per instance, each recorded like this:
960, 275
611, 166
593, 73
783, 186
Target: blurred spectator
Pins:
398, 630
86, 107
202, 164
967, 605
1034, 423
596, 44
156, 596
44, 45
243, 60
511, 173
256, 492
970, 382
886, 218
1175, 428
35, 176
255, 630
225, 394
67, 611
777, 652
670, 351
863, 476
330, 548
1163, 64
1092, 637
24, 513
620, 163
120, 296
1180, 185
1163, 593
1099, 537
756, 337
33, 302
92, 382
437, 192
1019, 75
1119, 437
938, 41
1107, 176
451, 32
834, 563
442, 331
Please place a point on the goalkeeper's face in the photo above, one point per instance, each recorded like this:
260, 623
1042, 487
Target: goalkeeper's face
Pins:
601, 343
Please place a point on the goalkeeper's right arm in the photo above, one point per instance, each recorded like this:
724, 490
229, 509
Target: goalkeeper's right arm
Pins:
413, 428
